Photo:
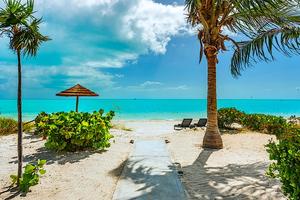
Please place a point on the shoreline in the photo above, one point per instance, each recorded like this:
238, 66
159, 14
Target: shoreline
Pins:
32, 117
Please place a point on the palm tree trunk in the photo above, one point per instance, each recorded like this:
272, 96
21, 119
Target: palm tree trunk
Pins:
20, 128
212, 138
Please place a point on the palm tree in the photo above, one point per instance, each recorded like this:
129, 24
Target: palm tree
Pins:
22, 28
262, 26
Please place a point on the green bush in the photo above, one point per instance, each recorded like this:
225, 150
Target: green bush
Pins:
75, 131
266, 123
31, 175
286, 167
255, 122
228, 116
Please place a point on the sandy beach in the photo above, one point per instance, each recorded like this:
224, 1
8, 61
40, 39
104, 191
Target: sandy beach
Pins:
81, 175
235, 172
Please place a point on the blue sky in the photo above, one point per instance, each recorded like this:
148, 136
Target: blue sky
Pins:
133, 49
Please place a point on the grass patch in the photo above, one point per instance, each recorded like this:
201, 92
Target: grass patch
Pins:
121, 127
10, 126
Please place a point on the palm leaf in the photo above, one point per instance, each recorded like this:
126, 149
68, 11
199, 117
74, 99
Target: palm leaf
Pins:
18, 22
29, 39
261, 48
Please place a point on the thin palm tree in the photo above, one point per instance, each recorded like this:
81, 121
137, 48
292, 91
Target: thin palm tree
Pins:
22, 28
262, 27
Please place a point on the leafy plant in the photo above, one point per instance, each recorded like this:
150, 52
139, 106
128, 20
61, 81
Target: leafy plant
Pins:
31, 175
75, 131
228, 116
286, 153
269, 124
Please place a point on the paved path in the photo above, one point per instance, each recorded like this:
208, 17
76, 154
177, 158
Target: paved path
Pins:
149, 174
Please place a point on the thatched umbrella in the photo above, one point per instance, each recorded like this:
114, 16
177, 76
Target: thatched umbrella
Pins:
77, 91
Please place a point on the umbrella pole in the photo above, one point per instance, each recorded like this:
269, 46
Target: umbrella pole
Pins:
77, 99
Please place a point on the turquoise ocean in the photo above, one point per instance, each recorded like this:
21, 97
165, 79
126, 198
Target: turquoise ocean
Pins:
156, 109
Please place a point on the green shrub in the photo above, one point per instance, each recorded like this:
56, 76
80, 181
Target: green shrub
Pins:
266, 123
255, 122
40, 124
75, 131
286, 153
8, 126
31, 175
228, 116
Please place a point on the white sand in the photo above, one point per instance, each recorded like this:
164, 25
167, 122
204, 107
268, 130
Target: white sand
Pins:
235, 172
71, 176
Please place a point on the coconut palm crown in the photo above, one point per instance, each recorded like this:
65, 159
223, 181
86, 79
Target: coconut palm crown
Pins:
22, 28
262, 25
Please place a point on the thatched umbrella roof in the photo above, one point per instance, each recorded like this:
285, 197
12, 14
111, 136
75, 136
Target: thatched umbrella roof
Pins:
77, 91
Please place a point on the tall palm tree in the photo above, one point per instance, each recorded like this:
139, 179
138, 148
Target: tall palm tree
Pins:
22, 28
262, 26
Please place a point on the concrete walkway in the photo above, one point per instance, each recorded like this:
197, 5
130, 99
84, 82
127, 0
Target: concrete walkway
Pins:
149, 174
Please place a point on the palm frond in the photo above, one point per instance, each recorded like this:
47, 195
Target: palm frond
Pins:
22, 28
261, 48
15, 13
251, 16
29, 39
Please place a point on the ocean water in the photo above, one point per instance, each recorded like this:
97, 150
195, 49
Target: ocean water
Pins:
150, 108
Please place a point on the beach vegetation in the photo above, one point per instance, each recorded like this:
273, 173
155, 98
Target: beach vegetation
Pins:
18, 23
263, 27
7, 126
10, 126
31, 175
229, 116
121, 127
269, 124
72, 131
286, 166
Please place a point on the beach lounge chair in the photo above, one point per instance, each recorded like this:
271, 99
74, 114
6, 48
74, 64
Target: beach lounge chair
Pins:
201, 123
186, 123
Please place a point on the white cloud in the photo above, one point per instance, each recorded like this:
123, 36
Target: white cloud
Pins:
154, 86
52, 79
119, 75
150, 83
153, 24
180, 87
108, 33
90, 35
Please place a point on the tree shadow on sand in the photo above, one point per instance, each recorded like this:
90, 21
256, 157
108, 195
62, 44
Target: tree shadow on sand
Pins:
231, 182
150, 184
53, 156
12, 192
